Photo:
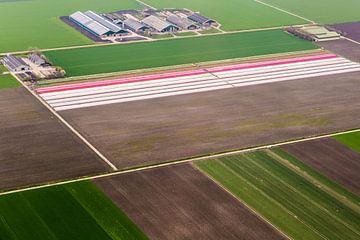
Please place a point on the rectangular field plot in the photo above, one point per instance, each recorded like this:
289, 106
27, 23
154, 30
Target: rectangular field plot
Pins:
37, 22
351, 139
350, 30
8, 81
35, 147
179, 202
169, 128
322, 11
81, 95
115, 58
332, 159
343, 47
233, 14
77, 211
299, 208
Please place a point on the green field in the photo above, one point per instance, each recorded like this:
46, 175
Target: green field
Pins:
35, 23
322, 11
8, 81
2, 69
114, 58
352, 140
233, 14
78, 211
290, 202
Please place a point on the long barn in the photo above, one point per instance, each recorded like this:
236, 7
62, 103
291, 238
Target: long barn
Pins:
96, 24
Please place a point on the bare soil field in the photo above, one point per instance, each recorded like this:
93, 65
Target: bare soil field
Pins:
35, 147
343, 47
332, 159
179, 202
157, 130
350, 30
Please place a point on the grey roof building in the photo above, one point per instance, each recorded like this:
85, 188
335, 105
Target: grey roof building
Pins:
159, 24
103, 21
196, 17
96, 24
183, 23
135, 26
14, 64
36, 59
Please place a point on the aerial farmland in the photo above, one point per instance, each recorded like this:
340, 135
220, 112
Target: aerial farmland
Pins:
188, 119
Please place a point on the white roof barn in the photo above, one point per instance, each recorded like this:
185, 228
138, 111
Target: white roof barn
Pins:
183, 23
96, 24
159, 24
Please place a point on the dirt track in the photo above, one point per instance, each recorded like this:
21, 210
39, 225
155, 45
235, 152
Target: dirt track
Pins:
331, 158
158, 130
180, 203
35, 147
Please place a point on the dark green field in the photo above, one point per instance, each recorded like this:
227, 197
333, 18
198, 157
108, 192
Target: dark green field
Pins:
295, 205
352, 140
8, 81
86, 61
78, 211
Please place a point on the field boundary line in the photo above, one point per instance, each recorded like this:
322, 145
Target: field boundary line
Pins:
285, 11
72, 129
351, 40
175, 162
241, 201
147, 5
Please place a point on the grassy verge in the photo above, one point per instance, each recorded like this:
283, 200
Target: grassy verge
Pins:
296, 206
72, 211
210, 31
185, 34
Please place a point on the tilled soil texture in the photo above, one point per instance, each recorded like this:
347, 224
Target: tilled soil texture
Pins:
35, 147
350, 30
158, 130
332, 159
179, 202
343, 47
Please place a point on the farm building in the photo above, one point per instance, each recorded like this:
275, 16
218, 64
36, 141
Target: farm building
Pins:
183, 23
96, 24
36, 59
159, 24
314, 33
115, 18
135, 26
15, 64
196, 17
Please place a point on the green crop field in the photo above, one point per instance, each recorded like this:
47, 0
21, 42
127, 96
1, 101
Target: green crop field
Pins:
2, 69
8, 81
233, 14
36, 23
322, 11
352, 140
290, 202
78, 211
116, 58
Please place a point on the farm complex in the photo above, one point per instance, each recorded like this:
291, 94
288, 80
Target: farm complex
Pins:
165, 120
129, 25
